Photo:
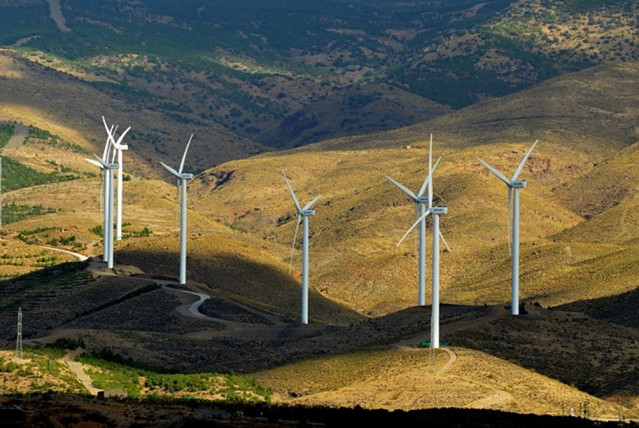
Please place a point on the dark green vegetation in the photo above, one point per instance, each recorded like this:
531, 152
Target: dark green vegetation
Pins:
111, 371
13, 213
6, 131
18, 176
37, 135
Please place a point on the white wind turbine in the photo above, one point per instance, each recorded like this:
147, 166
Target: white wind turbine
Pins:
105, 194
435, 212
302, 213
420, 206
513, 194
119, 147
181, 181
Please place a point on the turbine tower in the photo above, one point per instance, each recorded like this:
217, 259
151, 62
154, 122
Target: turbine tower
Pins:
108, 232
119, 147
420, 206
513, 195
302, 213
181, 181
0, 192
106, 189
435, 212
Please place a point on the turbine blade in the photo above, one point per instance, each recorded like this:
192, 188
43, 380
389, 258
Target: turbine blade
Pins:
94, 162
118, 144
430, 172
499, 175
523, 161
290, 189
510, 192
101, 162
422, 217
171, 170
310, 204
403, 188
441, 236
184, 156
297, 226
107, 145
108, 130
429, 183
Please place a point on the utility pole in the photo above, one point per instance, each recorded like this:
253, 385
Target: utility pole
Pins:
19, 335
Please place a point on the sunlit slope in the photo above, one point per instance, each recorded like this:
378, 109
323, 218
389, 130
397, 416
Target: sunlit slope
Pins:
361, 216
72, 219
609, 185
403, 379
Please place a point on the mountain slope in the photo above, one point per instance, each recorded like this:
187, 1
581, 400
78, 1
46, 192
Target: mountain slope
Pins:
244, 72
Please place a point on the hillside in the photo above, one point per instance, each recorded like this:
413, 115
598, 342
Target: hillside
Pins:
240, 76
360, 216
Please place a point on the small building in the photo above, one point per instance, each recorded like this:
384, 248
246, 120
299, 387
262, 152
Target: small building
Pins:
112, 393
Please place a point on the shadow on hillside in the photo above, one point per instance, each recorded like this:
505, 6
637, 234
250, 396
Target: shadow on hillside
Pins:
620, 309
567, 344
36, 290
248, 281
63, 409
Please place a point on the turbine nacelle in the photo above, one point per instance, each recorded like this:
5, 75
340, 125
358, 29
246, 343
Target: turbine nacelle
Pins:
102, 164
306, 213
439, 210
186, 175
517, 184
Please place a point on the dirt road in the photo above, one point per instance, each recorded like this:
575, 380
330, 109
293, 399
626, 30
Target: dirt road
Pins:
57, 16
78, 370
20, 132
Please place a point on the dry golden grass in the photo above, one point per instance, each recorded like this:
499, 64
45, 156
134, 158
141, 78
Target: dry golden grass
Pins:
400, 379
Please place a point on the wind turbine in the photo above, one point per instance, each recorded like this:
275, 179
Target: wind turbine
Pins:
420, 206
106, 189
435, 212
181, 181
119, 147
513, 194
302, 213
